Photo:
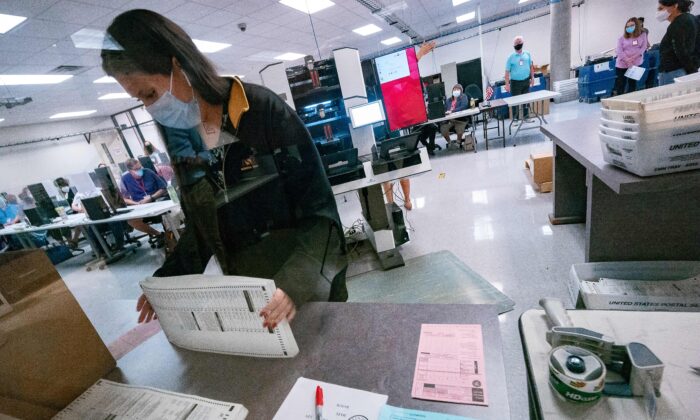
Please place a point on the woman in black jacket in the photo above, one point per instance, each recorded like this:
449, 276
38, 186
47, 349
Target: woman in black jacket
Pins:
677, 49
287, 228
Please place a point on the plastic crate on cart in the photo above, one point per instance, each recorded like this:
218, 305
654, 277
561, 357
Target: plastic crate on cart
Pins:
590, 92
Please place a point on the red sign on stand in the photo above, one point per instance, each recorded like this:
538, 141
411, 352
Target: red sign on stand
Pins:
399, 79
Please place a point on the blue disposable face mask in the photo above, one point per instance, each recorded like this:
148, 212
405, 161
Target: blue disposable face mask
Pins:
630, 29
172, 112
139, 172
456, 93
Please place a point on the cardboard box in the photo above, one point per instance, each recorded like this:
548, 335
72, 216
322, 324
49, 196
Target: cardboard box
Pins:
49, 351
541, 169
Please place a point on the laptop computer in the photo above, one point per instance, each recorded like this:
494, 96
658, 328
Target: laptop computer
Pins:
398, 147
97, 208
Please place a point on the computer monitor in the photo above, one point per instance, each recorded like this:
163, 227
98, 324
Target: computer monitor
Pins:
326, 148
42, 200
366, 114
109, 188
146, 162
96, 208
340, 161
36, 218
401, 145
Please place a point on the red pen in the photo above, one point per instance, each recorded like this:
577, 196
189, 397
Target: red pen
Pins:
319, 403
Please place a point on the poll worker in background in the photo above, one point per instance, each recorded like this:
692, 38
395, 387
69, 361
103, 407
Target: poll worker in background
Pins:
459, 101
520, 74
64, 186
140, 186
9, 215
116, 228
678, 46
652, 76
164, 170
288, 229
631, 47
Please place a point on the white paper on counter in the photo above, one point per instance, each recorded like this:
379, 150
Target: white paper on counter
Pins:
111, 400
340, 403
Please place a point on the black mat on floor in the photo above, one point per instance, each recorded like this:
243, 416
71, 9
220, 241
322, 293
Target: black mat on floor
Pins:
439, 277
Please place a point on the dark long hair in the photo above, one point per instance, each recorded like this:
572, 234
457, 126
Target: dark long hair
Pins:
684, 6
148, 43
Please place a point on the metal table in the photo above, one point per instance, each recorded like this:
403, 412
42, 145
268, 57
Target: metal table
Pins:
628, 218
361, 345
528, 98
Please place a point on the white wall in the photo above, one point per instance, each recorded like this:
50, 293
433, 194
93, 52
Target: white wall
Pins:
596, 26
23, 165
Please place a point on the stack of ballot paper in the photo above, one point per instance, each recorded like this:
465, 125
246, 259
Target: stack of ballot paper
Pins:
219, 314
111, 400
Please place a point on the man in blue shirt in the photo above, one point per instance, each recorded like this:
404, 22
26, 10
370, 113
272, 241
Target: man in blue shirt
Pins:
141, 186
520, 73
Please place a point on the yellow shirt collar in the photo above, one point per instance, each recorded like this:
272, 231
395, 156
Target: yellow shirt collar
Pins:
237, 102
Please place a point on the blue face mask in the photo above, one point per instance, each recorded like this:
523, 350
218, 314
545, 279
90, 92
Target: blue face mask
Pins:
139, 172
172, 112
456, 93
630, 29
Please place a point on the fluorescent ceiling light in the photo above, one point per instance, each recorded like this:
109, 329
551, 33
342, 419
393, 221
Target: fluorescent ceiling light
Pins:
308, 6
367, 29
523, 1
8, 22
72, 114
2, 119
120, 95
31, 79
458, 2
391, 41
290, 56
105, 79
209, 46
465, 17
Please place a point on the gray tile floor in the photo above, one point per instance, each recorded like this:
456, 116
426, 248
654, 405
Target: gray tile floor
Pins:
484, 210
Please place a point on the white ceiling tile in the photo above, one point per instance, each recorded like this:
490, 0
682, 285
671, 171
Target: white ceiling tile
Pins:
28, 8
114, 4
12, 58
159, 6
220, 18
247, 7
73, 12
48, 57
190, 12
24, 44
46, 29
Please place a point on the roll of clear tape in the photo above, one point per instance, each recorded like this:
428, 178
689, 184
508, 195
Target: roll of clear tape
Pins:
576, 374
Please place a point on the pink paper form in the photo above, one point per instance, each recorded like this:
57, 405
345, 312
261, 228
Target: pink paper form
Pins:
450, 364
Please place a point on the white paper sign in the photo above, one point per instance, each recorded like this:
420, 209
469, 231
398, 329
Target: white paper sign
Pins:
635, 72
393, 66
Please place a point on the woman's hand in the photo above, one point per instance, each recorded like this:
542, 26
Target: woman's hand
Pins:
281, 307
147, 313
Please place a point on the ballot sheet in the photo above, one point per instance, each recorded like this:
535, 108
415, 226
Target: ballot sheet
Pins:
635, 73
339, 402
450, 364
115, 401
219, 314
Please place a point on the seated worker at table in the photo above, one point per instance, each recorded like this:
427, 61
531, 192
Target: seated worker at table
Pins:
459, 101
64, 186
287, 229
520, 74
141, 186
9, 215
117, 228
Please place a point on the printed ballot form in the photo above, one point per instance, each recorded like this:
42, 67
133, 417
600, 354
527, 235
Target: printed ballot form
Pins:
340, 403
450, 364
111, 400
219, 314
